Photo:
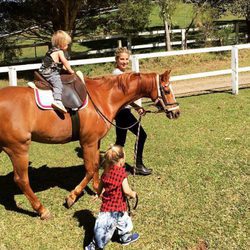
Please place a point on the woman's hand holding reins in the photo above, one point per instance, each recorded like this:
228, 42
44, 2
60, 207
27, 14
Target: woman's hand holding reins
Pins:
141, 111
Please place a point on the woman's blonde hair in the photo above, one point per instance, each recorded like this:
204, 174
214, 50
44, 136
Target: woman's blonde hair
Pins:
113, 155
121, 50
60, 38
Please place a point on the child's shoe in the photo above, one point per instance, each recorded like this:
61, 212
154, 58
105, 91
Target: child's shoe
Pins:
92, 246
133, 237
58, 105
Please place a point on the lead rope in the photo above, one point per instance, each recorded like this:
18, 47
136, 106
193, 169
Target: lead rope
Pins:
136, 144
130, 206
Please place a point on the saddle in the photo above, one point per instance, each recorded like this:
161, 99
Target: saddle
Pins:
74, 91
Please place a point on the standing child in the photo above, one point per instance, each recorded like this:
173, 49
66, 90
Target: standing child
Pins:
113, 189
53, 63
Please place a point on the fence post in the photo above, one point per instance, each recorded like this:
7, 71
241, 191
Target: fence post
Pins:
237, 30
135, 64
235, 70
12, 76
119, 43
183, 39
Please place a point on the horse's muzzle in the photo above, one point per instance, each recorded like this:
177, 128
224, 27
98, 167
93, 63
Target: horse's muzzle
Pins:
173, 114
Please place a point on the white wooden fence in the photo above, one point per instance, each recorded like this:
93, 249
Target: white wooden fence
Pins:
142, 46
234, 71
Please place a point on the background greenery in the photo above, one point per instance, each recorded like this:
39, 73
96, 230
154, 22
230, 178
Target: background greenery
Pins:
181, 19
198, 192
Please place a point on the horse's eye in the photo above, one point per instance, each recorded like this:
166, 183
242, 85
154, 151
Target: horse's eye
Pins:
166, 90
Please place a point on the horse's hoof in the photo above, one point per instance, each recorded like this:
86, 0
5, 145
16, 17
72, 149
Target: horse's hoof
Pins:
69, 202
46, 215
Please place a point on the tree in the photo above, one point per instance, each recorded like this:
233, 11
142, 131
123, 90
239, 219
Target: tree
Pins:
132, 16
167, 8
37, 20
48, 16
237, 7
241, 8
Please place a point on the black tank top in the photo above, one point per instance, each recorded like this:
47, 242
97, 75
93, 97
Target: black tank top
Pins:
49, 65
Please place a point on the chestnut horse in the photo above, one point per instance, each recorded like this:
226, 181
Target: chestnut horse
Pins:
22, 122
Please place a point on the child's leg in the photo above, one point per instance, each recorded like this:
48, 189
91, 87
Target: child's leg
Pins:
124, 227
105, 226
57, 86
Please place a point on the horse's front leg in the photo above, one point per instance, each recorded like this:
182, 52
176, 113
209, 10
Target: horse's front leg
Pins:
91, 163
19, 158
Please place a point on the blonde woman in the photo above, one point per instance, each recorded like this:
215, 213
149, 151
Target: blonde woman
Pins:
52, 65
125, 118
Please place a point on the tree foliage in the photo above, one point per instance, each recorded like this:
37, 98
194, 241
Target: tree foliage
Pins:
37, 19
132, 16
237, 7
49, 16
242, 8
167, 8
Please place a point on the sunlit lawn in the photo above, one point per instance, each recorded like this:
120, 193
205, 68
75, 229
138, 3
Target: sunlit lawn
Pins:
198, 191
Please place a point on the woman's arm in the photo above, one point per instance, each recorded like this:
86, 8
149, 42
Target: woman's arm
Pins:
127, 190
139, 109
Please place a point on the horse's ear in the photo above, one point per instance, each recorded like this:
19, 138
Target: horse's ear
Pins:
166, 75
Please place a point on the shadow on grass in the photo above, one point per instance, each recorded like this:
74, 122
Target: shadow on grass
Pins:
41, 179
86, 220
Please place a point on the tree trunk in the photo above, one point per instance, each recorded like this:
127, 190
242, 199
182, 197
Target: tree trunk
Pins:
129, 42
248, 25
167, 36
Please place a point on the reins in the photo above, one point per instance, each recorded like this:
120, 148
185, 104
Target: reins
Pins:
104, 117
160, 98
134, 167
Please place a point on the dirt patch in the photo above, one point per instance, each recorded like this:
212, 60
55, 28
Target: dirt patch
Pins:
209, 84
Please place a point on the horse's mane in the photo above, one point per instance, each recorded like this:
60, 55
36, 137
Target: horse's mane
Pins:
121, 80
110, 80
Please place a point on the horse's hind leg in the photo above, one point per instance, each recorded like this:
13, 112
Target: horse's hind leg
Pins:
91, 163
20, 160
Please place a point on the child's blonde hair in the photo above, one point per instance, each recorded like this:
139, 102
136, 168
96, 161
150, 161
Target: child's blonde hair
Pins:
121, 50
60, 38
113, 155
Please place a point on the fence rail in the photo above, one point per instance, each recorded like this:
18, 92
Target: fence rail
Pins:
183, 42
234, 71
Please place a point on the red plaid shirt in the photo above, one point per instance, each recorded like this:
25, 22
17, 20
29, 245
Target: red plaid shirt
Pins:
113, 198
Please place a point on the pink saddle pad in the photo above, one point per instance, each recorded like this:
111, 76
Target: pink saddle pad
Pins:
44, 99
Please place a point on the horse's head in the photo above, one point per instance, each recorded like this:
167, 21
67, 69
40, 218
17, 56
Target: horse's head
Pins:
165, 99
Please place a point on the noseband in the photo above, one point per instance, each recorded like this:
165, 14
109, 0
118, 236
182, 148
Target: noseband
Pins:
161, 97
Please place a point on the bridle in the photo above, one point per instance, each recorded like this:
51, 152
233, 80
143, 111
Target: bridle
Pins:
161, 97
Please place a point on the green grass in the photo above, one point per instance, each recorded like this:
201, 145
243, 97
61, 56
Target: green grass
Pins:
181, 18
199, 189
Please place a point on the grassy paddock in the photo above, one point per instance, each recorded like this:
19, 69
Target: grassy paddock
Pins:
198, 191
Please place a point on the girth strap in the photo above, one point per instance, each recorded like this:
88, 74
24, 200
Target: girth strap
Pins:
75, 121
